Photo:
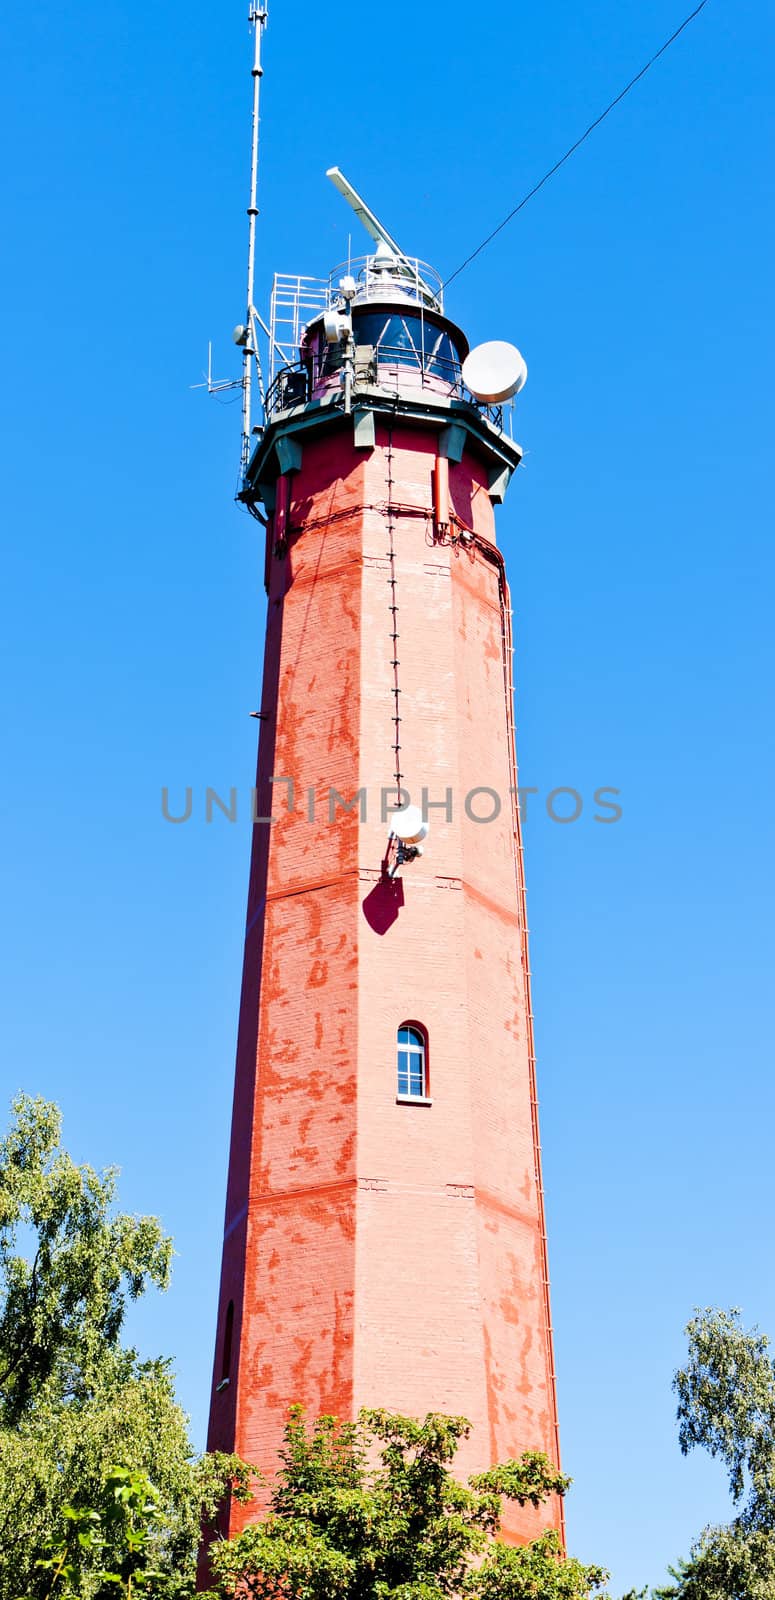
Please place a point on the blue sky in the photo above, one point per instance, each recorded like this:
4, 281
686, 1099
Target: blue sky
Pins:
638, 536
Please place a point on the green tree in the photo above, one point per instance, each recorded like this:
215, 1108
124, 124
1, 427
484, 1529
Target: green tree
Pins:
61, 1454
371, 1511
120, 1545
62, 1301
727, 1563
123, 1524
75, 1404
726, 1405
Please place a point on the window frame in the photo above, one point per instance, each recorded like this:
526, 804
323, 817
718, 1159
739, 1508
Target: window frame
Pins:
406, 1097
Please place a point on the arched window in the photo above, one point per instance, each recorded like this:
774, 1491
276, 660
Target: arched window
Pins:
412, 1061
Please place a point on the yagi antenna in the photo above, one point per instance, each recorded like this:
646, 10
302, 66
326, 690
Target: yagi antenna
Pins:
377, 230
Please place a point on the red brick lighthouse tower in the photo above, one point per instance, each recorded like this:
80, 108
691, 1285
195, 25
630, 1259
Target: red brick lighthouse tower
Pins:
384, 1236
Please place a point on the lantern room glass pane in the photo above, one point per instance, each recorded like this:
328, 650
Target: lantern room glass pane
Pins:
408, 340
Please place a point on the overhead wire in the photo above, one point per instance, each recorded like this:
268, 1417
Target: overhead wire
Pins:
574, 147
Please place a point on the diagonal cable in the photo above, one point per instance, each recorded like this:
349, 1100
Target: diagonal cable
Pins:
575, 147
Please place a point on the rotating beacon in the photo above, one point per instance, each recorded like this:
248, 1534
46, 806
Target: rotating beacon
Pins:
384, 1238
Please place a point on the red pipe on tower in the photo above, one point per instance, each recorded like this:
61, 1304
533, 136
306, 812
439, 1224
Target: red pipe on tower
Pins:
441, 493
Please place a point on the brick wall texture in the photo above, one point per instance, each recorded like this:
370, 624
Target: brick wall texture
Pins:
375, 1252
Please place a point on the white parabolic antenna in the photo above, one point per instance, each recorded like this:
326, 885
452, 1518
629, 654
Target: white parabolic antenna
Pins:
494, 371
408, 826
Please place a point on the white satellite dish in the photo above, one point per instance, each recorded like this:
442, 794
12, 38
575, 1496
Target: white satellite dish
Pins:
494, 371
408, 825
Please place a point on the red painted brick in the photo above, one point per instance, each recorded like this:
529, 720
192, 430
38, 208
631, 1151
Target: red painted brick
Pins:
381, 1253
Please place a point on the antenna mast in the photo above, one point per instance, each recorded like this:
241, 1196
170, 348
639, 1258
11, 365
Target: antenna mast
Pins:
257, 15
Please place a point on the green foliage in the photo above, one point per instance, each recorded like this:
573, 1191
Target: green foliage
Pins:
121, 1528
62, 1451
73, 1402
726, 1404
121, 1544
725, 1564
523, 1572
371, 1511
62, 1304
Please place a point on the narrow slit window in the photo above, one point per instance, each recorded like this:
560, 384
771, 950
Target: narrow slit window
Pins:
412, 1062
228, 1336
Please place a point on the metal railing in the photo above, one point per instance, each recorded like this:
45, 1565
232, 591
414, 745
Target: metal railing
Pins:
395, 371
296, 300
379, 278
